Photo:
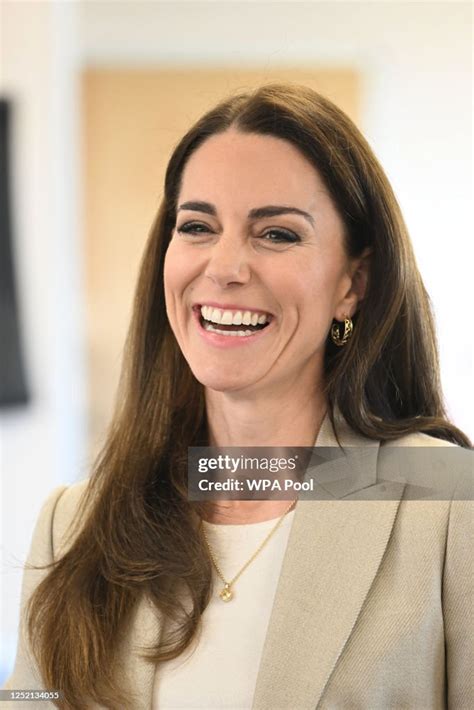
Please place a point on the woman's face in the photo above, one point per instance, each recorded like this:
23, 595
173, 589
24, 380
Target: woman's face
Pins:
257, 237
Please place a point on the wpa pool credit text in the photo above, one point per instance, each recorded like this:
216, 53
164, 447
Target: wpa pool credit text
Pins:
256, 484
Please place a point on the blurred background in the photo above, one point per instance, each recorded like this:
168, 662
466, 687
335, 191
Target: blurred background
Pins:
93, 97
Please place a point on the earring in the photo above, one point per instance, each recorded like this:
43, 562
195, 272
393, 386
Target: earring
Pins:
348, 328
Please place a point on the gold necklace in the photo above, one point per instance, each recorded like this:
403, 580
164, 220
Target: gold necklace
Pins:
226, 593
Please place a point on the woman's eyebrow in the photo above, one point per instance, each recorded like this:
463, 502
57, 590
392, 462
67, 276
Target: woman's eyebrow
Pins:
276, 210
198, 206
256, 213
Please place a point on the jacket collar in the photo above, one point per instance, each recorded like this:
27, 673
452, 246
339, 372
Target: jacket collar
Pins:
341, 469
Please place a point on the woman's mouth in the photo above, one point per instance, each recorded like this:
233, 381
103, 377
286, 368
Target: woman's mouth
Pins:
225, 326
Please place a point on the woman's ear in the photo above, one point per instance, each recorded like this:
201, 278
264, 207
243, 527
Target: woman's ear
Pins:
358, 272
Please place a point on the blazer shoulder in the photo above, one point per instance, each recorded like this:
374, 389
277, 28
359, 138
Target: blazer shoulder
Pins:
67, 516
54, 522
447, 467
418, 438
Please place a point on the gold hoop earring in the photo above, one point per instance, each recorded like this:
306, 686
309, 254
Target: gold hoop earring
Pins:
348, 329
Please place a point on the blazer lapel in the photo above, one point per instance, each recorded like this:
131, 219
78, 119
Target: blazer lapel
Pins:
333, 554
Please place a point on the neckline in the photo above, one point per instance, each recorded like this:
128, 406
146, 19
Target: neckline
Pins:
247, 526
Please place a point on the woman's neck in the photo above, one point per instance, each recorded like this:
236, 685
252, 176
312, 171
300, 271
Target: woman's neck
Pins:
234, 420
272, 420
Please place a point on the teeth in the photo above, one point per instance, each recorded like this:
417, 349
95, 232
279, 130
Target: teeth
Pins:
238, 333
227, 317
215, 316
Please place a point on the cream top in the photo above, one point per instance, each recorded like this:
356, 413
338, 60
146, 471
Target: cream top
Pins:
222, 671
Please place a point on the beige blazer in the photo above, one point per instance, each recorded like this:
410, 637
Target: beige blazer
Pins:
373, 609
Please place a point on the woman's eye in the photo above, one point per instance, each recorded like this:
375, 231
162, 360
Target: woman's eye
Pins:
278, 236
193, 228
272, 236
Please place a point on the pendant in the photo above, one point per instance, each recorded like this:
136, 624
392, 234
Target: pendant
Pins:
226, 594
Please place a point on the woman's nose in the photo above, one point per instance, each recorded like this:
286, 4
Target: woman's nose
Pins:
228, 263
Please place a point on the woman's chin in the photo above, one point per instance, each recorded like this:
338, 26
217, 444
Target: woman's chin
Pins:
224, 382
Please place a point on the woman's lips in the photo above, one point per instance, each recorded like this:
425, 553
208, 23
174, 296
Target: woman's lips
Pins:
228, 341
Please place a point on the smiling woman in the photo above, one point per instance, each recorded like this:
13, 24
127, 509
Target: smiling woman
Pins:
278, 304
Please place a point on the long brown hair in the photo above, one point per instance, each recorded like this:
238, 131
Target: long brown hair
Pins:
139, 532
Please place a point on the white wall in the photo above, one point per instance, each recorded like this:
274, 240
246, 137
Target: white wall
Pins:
416, 62
43, 444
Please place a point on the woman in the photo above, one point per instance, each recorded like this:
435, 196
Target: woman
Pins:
279, 225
